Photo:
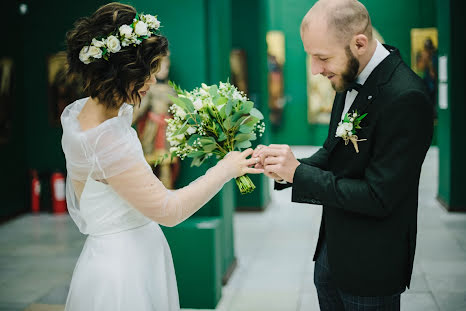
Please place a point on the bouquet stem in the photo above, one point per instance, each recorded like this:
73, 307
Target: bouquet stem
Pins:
245, 184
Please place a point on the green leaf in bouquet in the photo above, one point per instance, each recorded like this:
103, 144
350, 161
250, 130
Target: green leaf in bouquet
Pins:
194, 119
228, 108
243, 144
250, 121
207, 141
193, 138
237, 116
213, 90
182, 129
222, 137
177, 101
222, 112
196, 154
239, 121
246, 128
243, 137
209, 148
256, 113
189, 105
246, 107
228, 123
220, 100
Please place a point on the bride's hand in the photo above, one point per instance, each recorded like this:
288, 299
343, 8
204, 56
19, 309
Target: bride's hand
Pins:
238, 165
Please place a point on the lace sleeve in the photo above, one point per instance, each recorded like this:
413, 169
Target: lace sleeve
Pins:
120, 160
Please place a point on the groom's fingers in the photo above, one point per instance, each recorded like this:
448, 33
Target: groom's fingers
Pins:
272, 161
267, 152
276, 146
271, 169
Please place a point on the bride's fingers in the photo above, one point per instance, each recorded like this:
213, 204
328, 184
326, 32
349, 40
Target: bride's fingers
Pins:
252, 161
246, 153
250, 170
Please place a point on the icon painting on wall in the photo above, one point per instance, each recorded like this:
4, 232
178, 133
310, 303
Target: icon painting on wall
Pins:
63, 89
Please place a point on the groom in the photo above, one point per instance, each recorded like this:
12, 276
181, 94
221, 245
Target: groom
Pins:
368, 185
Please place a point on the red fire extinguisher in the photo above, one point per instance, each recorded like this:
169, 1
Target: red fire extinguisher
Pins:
35, 192
57, 184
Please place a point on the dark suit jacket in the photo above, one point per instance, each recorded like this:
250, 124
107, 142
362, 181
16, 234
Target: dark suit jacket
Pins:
370, 198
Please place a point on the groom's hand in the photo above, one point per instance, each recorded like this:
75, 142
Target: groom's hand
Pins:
260, 164
278, 160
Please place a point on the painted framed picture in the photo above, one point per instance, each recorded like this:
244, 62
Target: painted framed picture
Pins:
276, 83
424, 59
7, 78
63, 89
239, 70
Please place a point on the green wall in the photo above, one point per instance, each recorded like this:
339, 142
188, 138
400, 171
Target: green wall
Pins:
392, 18
451, 141
13, 186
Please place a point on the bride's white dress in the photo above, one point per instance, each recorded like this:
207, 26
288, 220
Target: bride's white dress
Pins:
115, 199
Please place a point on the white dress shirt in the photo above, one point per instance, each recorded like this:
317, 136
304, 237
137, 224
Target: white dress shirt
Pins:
379, 55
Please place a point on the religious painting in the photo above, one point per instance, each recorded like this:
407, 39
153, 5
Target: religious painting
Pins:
6, 98
239, 70
320, 93
63, 89
275, 63
424, 59
149, 120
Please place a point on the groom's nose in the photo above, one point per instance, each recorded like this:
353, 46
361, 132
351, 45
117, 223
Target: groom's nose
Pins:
316, 67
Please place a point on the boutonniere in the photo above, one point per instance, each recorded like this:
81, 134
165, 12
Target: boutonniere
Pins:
347, 128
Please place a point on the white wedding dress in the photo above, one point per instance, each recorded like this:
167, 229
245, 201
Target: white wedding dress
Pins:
115, 199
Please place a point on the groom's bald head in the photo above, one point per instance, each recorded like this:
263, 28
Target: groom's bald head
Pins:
342, 18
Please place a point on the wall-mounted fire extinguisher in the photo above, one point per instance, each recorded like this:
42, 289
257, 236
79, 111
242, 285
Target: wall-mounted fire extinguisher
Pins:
57, 184
35, 192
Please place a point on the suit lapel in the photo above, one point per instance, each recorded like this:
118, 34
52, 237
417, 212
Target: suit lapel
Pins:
367, 94
339, 106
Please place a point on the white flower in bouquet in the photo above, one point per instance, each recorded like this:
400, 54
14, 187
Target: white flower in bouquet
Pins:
213, 120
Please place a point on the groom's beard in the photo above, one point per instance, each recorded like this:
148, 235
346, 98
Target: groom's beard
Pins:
349, 75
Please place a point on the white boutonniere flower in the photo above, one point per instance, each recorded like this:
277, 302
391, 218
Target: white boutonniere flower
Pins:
347, 129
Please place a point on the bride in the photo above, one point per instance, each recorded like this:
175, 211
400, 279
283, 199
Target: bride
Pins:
112, 194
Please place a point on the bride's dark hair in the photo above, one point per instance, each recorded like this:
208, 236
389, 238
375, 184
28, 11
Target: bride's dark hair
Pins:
119, 78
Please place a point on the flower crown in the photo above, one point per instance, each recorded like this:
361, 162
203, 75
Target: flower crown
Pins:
143, 27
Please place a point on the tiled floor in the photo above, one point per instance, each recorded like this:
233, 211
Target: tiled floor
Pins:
274, 250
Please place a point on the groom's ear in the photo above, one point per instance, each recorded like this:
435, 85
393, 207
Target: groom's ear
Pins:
361, 44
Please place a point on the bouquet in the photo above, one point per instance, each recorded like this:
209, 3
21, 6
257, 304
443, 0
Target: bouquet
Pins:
212, 121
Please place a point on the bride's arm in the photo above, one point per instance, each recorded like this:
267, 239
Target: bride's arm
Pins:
145, 192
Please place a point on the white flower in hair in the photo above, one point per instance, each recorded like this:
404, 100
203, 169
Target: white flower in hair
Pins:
151, 21
84, 56
98, 43
143, 26
126, 31
113, 44
94, 52
141, 29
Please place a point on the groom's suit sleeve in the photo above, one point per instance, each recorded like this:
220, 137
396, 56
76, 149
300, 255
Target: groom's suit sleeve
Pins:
318, 159
403, 133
